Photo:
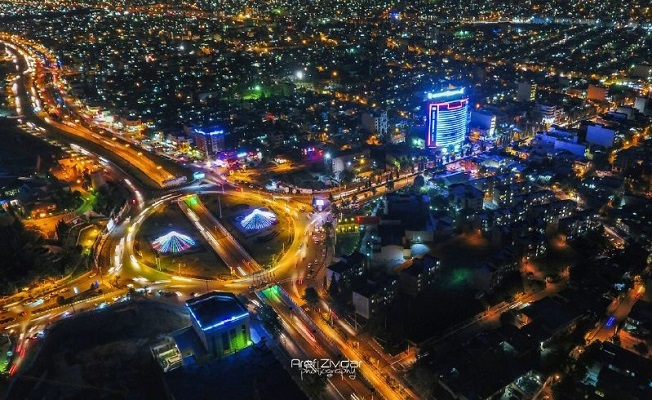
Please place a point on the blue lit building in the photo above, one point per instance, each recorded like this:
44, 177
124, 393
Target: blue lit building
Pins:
448, 120
209, 141
221, 321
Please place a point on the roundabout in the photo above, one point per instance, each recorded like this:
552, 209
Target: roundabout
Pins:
258, 241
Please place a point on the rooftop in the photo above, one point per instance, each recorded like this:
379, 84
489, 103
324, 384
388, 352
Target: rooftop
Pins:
215, 309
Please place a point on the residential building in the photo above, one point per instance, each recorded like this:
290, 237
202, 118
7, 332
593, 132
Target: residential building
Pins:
371, 297
527, 92
346, 270
466, 197
580, 224
419, 275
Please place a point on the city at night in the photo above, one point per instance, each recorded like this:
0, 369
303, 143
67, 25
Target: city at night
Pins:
316, 200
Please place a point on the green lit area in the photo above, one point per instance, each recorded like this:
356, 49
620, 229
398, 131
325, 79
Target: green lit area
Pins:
239, 341
257, 92
271, 292
460, 276
5, 353
192, 201
89, 201
463, 34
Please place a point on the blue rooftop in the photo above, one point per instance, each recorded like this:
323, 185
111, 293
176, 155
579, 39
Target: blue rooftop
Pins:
215, 309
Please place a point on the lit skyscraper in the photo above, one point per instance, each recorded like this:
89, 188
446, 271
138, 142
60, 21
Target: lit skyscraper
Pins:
448, 119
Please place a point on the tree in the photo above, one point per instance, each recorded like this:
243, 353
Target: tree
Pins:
334, 288
641, 348
419, 181
61, 229
346, 176
311, 296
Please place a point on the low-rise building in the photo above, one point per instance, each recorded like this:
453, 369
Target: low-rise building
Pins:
466, 197
547, 319
504, 195
580, 224
221, 321
420, 275
616, 373
346, 270
370, 297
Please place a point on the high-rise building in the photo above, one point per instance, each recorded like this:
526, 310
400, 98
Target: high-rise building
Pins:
209, 142
448, 119
527, 91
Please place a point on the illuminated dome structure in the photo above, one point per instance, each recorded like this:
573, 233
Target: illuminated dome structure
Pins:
258, 219
173, 242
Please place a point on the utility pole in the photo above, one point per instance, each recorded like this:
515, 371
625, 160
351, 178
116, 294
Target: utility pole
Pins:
219, 201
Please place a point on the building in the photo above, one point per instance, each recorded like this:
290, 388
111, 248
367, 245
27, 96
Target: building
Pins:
346, 160
597, 93
371, 297
627, 111
527, 91
376, 123
548, 114
580, 224
549, 318
466, 197
346, 270
167, 354
484, 123
209, 142
420, 275
642, 71
639, 320
448, 120
221, 321
411, 213
640, 103
504, 195
600, 135
617, 373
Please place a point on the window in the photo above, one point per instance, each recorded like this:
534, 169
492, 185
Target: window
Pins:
226, 343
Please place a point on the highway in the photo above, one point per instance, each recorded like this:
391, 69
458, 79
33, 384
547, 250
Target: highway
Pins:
34, 76
303, 336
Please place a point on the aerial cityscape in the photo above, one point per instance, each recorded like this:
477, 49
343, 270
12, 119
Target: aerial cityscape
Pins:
362, 199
